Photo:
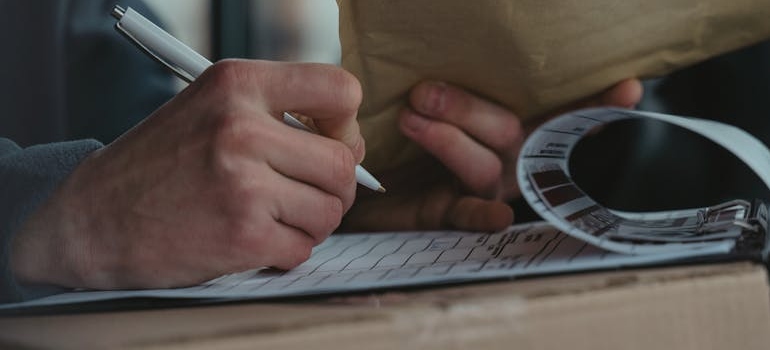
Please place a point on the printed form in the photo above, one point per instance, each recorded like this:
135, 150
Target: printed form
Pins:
370, 261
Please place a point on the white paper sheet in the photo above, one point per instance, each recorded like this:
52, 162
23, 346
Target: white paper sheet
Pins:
366, 261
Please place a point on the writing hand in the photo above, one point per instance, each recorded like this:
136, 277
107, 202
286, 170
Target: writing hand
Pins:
211, 183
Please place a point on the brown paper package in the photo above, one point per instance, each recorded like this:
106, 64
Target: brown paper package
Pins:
531, 56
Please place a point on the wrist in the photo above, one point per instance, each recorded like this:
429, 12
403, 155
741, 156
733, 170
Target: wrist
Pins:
49, 248
34, 253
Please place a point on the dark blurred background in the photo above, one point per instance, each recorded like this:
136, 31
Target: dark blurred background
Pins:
648, 165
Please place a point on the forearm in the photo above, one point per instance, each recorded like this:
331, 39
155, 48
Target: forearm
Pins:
27, 178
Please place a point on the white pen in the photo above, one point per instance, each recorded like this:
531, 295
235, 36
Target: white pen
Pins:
188, 64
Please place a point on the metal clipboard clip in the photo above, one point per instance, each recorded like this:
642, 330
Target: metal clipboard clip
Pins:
755, 219
737, 220
753, 239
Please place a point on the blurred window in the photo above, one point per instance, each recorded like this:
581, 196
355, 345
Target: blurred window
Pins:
282, 30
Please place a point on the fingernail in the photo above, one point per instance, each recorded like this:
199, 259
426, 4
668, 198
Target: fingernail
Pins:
434, 100
414, 122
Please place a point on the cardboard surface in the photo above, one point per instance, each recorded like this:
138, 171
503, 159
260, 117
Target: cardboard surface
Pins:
531, 56
701, 307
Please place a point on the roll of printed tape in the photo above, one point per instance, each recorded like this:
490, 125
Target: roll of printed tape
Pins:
545, 181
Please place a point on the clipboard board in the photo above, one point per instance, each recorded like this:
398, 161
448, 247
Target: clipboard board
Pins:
578, 235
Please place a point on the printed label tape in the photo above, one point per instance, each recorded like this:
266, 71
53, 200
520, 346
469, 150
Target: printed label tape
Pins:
545, 181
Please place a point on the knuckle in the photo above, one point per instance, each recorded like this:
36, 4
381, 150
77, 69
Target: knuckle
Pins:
348, 197
248, 242
344, 164
248, 194
242, 238
231, 134
333, 211
226, 126
224, 141
328, 218
222, 75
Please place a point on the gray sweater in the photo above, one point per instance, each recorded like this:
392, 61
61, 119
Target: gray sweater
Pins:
67, 75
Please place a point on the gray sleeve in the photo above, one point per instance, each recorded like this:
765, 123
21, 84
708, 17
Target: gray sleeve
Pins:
27, 178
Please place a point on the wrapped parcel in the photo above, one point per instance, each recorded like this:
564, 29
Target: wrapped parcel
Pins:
531, 56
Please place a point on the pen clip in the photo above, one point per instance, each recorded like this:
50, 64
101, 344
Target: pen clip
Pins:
118, 13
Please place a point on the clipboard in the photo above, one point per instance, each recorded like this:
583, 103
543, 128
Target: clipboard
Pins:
578, 235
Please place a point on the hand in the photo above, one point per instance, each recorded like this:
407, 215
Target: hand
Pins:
211, 183
470, 173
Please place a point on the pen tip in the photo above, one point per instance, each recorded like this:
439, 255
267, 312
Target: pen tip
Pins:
382, 189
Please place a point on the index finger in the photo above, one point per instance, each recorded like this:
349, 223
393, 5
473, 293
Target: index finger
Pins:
487, 122
327, 94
